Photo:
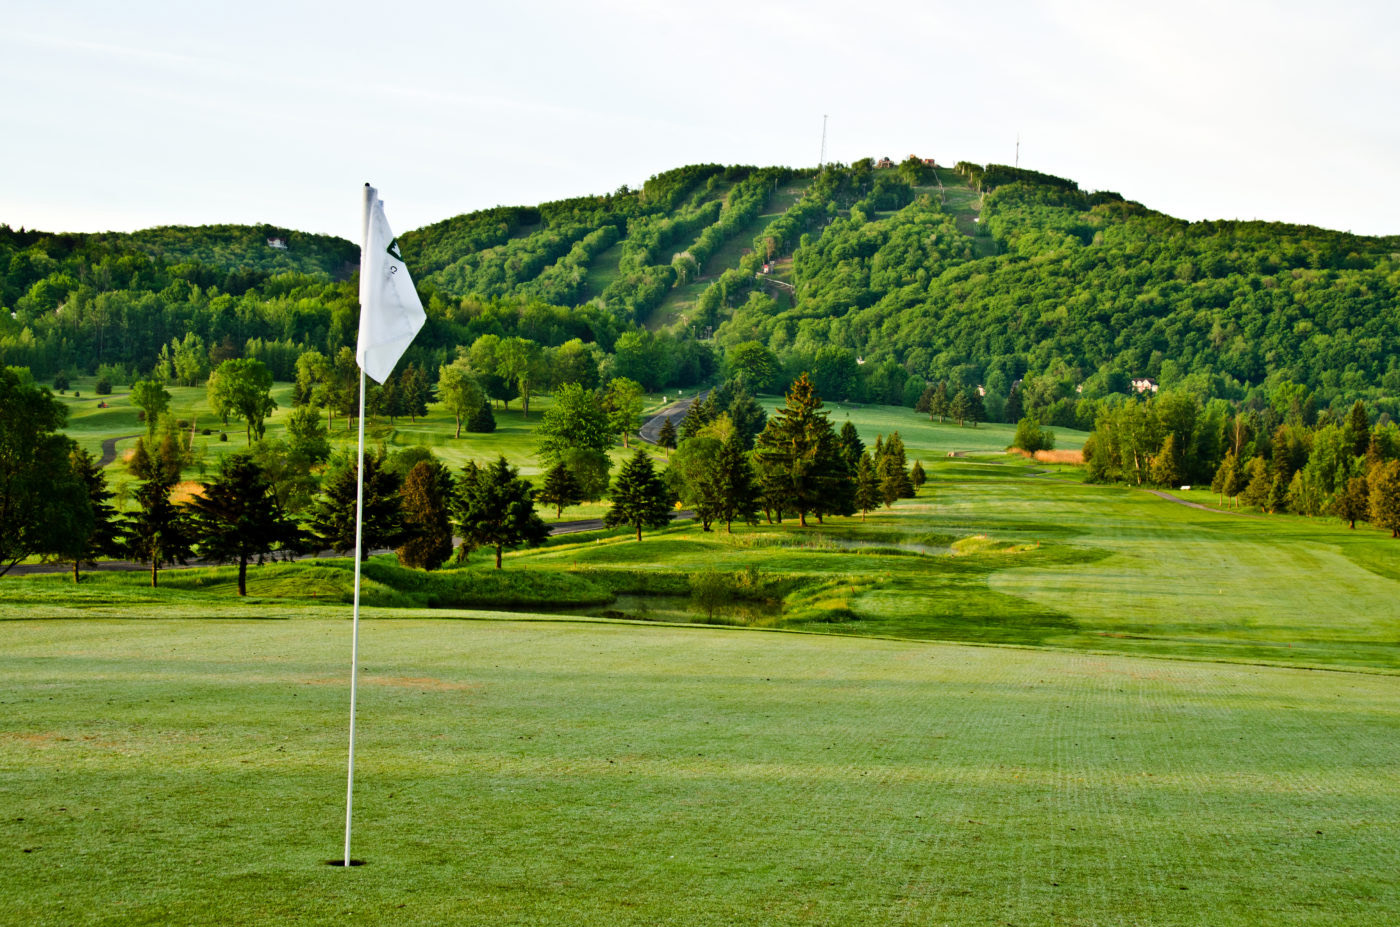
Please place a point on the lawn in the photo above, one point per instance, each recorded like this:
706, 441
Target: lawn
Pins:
539, 772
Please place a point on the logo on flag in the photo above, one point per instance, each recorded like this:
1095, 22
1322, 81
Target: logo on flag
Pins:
390, 311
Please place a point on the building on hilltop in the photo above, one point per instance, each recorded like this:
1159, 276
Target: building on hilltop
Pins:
1144, 385
883, 162
279, 243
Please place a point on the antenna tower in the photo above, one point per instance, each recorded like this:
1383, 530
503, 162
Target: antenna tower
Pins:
822, 158
1018, 149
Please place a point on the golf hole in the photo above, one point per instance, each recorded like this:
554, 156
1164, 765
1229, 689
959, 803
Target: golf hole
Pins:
341, 862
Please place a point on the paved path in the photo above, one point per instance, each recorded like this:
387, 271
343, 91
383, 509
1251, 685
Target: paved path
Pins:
676, 412
1196, 505
109, 448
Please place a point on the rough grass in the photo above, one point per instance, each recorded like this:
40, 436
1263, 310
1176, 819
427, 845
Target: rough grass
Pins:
192, 772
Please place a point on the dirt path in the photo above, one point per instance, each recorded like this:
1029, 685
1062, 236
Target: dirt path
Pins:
109, 448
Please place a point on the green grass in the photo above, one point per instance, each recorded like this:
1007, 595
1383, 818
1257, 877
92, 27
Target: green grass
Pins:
545, 773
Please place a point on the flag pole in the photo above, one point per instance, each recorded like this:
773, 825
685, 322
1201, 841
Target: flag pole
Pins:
359, 541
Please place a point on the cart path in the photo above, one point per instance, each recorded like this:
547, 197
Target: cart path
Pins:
676, 412
109, 448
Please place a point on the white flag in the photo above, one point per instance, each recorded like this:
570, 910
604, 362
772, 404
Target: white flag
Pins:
390, 312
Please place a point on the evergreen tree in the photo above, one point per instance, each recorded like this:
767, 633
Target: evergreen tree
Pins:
959, 409
666, 437
333, 520
852, 447
459, 505
748, 418
976, 407
1233, 482
1015, 409
1278, 494
499, 510
640, 497
104, 537
939, 405
735, 490
1359, 428
1256, 490
560, 489
917, 476
868, 494
1167, 464
159, 532
416, 392
481, 420
692, 477
427, 491
701, 413
237, 518
798, 456
892, 473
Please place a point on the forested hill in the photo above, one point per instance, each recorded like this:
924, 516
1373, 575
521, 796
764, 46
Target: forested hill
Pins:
876, 280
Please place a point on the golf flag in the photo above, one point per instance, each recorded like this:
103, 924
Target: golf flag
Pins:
390, 312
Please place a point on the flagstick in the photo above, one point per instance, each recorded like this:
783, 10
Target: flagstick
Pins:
359, 543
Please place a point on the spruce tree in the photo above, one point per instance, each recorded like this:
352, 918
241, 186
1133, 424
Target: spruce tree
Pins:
959, 408
640, 496
852, 447
103, 539
1278, 494
666, 437
561, 489
890, 468
237, 518
499, 510
868, 495
938, 404
733, 485
917, 476
333, 520
799, 459
159, 532
1353, 501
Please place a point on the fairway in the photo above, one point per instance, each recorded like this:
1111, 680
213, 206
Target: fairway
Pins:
545, 772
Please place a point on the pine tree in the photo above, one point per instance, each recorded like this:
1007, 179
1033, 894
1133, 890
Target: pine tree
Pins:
917, 476
333, 521
561, 489
701, 413
938, 404
890, 469
481, 420
867, 487
798, 456
666, 437
852, 447
1359, 428
427, 493
640, 496
1278, 494
959, 408
158, 533
103, 537
237, 517
736, 489
1256, 490
1234, 482
499, 510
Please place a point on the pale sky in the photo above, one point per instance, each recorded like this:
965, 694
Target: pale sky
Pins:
127, 115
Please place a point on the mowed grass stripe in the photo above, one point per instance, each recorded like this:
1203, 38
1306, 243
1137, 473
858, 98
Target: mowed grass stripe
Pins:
555, 773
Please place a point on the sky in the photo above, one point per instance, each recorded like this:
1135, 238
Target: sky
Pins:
131, 115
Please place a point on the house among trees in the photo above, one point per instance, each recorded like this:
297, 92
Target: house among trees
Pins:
883, 162
1144, 385
279, 243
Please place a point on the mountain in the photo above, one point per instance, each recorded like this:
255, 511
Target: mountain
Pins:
876, 279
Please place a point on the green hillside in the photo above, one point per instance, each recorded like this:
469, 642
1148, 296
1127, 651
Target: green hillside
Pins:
981, 275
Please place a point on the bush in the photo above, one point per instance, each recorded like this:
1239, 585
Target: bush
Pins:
1030, 437
103, 387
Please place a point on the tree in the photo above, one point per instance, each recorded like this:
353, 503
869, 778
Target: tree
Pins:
306, 435
754, 365
1278, 494
104, 537
640, 497
1256, 490
622, 400
159, 532
1168, 466
520, 361
1353, 501
868, 496
852, 447
561, 488
460, 392
1234, 482
798, 457
313, 378
1383, 489
43, 505
735, 489
1031, 437
576, 432
666, 437
414, 391
1359, 428
333, 520
499, 510
153, 399
748, 418
427, 493
938, 403
237, 517
692, 477
917, 476
959, 409
893, 475
242, 386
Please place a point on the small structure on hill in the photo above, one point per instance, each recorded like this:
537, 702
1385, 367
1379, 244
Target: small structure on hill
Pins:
1144, 385
279, 243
